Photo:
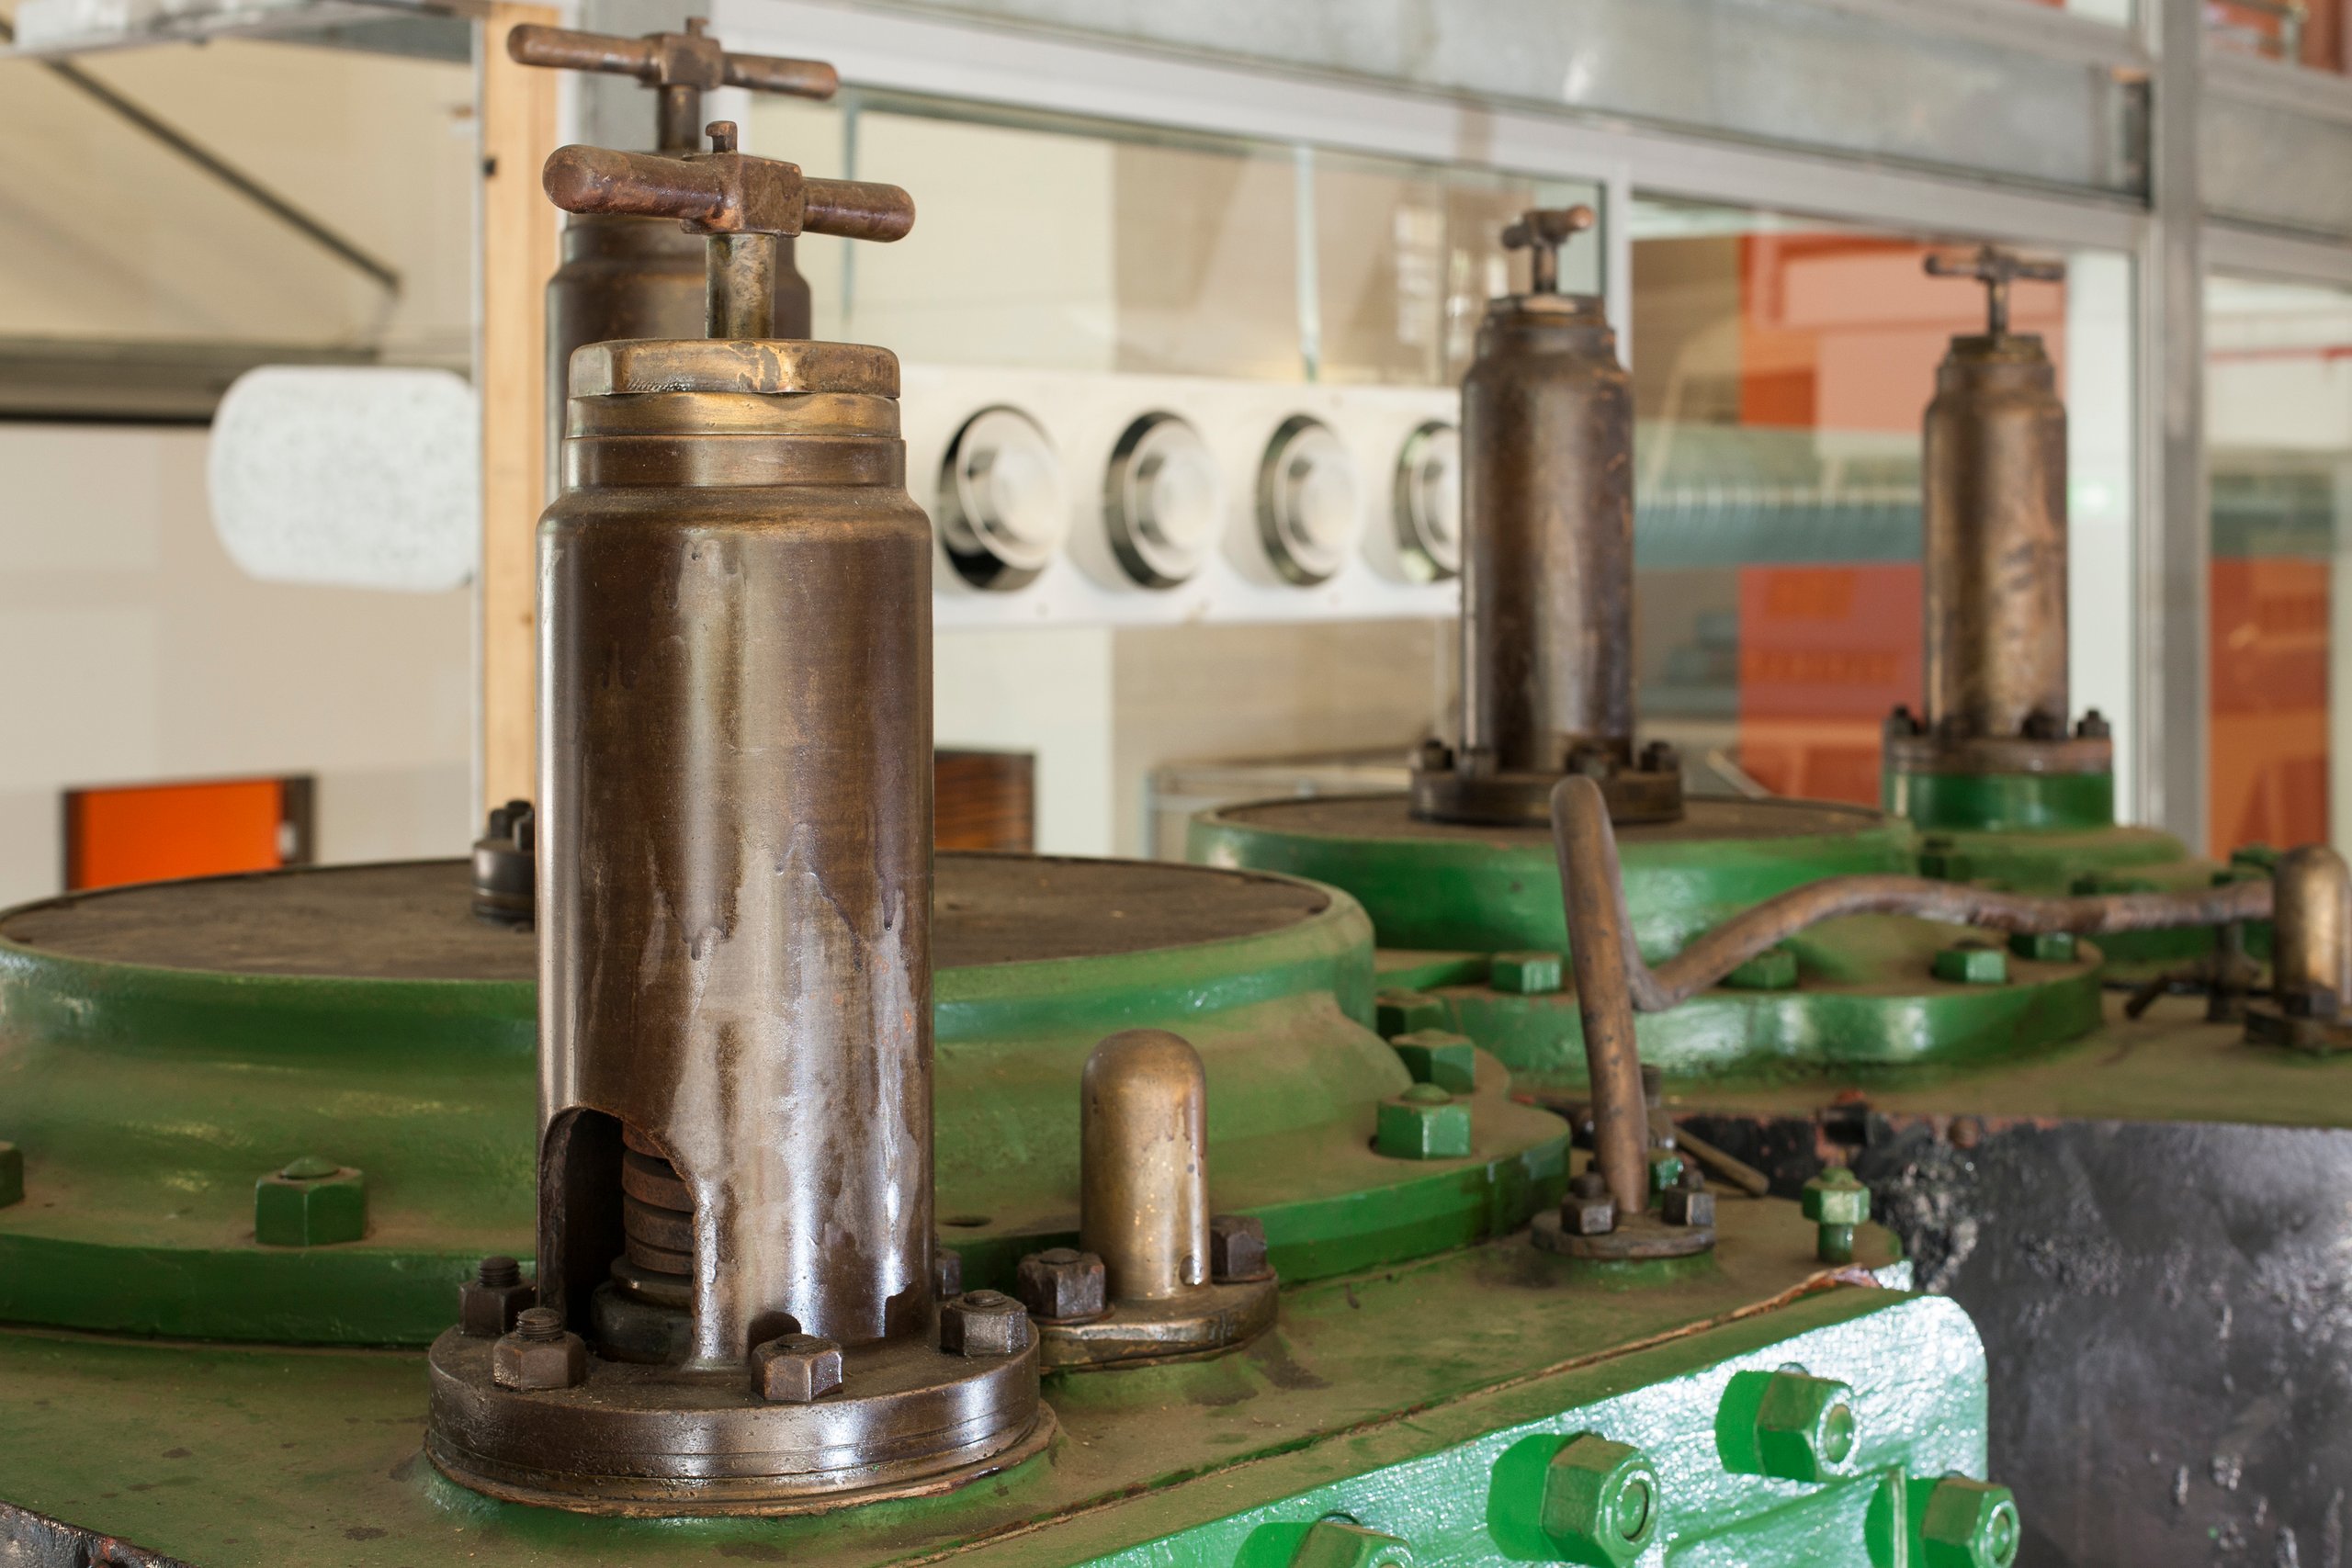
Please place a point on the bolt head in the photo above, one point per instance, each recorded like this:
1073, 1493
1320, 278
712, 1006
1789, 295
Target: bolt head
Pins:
1665, 1170
1804, 1427
1337, 1543
1400, 1012
486, 1310
526, 1361
1526, 974
2093, 725
1435, 757
1238, 1249
1902, 722
1973, 964
1685, 1206
1436, 1056
1582, 1214
1424, 1123
320, 1205
1061, 1284
1836, 1197
983, 1323
12, 1174
2043, 947
1661, 757
1968, 1524
794, 1368
1602, 1501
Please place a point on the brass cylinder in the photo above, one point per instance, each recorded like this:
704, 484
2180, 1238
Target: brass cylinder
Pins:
1548, 568
1142, 1202
735, 829
2312, 952
1995, 506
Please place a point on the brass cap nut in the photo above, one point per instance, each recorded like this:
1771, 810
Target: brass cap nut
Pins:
539, 1354
1438, 1056
1337, 1543
1973, 964
1968, 1524
1396, 1012
1237, 1251
310, 1202
794, 1368
489, 1303
1423, 1122
983, 1323
1601, 1501
1061, 1285
1788, 1425
1526, 974
1836, 1197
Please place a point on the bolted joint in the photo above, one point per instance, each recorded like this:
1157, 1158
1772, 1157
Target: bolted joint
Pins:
794, 1368
1965, 1524
1423, 1122
1589, 1210
1062, 1284
1601, 1501
1688, 1206
2319, 1002
1903, 724
1526, 974
489, 1303
539, 1354
984, 1322
1787, 1424
1664, 1169
1661, 757
1237, 1251
1434, 756
2043, 947
1837, 1202
1342, 1544
310, 1202
2093, 725
1438, 1056
1398, 1012
1973, 964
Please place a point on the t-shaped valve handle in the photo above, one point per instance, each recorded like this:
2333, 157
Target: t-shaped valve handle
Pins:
681, 66
1540, 231
1995, 269
742, 203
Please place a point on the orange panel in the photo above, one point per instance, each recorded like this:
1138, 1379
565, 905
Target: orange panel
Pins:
149, 832
1826, 652
2269, 745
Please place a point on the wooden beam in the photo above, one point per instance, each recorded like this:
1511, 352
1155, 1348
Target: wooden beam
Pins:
519, 232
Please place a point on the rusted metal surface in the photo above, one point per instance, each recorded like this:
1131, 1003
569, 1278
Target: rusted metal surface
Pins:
681, 66
1602, 947
1547, 571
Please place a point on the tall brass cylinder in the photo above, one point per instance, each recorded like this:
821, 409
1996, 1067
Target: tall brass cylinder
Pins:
1547, 567
1995, 542
1143, 1167
735, 824
2312, 952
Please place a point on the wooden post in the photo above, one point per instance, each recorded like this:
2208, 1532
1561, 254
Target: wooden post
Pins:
518, 253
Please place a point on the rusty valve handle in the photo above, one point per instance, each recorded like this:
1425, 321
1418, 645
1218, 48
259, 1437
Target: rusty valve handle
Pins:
1540, 231
1995, 269
665, 59
1613, 981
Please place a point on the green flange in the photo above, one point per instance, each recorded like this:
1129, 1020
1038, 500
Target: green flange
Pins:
2001, 802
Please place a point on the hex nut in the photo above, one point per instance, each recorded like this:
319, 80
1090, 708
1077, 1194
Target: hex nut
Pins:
1687, 1207
1587, 1214
1836, 1197
983, 1323
1435, 1055
489, 1303
1237, 1251
1973, 964
794, 1368
2043, 947
1661, 757
1796, 1426
1665, 1167
1396, 1012
1339, 1543
1423, 1122
310, 1202
12, 1174
1774, 969
1526, 974
1061, 1285
1968, 1524
1946, 863
1602, 1501
539, 1354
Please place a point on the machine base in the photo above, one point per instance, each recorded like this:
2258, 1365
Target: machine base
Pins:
1205, 1321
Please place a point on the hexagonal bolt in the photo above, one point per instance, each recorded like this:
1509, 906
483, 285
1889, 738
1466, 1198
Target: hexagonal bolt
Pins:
1973, 964
1338, 1543
489, 1303
1237, 1251
1788, 1425
1434, 1055
539, 1354
1961, 1523
1423, 1122
1665, 1167
1682, 1205
310, 1202
1941, 862
1602, 1501
794, 1368
1396, 1012
1775, 969
1061, 1284
1661, 757
983, 1323
946, 1272
1526, 974
2043, 947
1837, 1202
12, 1174
1434, 756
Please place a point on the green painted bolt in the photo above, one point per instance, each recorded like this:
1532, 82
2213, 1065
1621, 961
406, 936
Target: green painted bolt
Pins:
310, 1202
1973, 964
1423, 1122
1774, 969
1602, 1501
1665, 1170
2043, 947
1434, 1055
1396, 1012
1343, 1543
1804, 1426
12, 1174
1942, 860
1837, 1202
1526, 974
1966, 1524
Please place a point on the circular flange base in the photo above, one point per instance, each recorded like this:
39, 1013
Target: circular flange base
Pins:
1206, 1320
1636, 1238
1498, 799
2267, 1024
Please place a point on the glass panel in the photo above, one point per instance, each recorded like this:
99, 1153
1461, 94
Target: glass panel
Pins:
2278, 433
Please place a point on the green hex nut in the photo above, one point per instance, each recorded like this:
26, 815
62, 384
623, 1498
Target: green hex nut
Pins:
12, 1174
2043, 947
1787, 1424
310, 1202
1526, 974
1774, 969
1342, 1544
1941, 860
1423, 1122
1434, 1055
1602, 1501
1973, 964
1837, 1202
1396, 1012
1965, 1524
1665, 1169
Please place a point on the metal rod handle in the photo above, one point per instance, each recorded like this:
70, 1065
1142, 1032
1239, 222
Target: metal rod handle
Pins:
775, 73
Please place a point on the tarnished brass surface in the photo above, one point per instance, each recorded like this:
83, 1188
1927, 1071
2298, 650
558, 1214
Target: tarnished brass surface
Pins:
1547, 560
1144, 1184
762, 369
1593, 888
2312, 950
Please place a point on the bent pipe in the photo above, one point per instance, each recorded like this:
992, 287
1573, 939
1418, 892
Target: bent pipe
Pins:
1614, 980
